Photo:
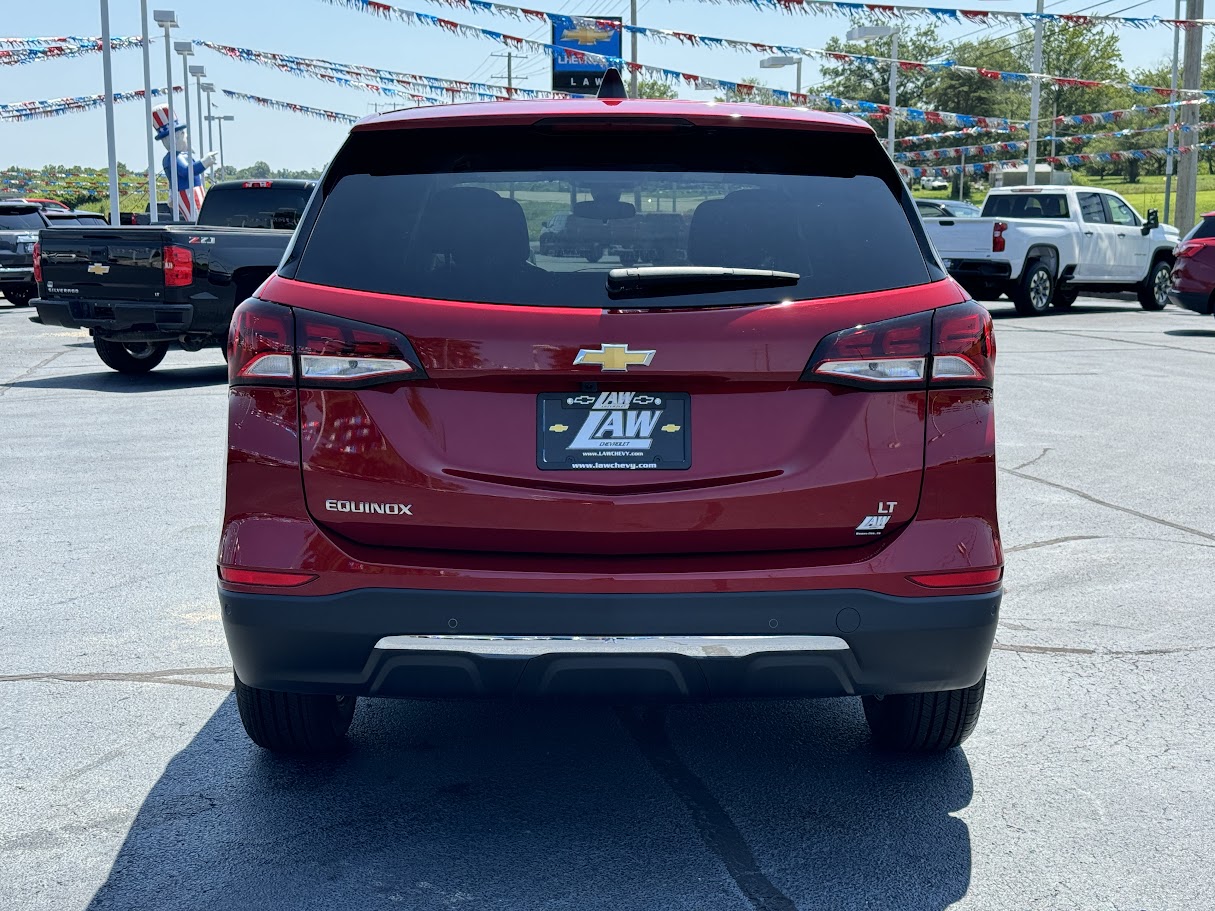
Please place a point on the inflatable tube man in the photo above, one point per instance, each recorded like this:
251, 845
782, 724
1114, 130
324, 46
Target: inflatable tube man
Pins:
189, 173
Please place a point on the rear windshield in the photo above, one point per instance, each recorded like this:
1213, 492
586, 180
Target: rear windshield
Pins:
1027, 205
18, 221
67, 221
1204, 228
255, 207
538, 216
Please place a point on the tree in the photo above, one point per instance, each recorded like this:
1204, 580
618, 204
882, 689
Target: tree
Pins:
862, 81
655, 88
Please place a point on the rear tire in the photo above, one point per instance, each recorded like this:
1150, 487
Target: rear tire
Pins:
299, 723
1034, 291
21, 295
924, 722
130, 357
1154, 292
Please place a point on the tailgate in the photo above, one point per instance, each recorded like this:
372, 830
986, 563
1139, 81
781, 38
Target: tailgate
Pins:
103, 263
956, 238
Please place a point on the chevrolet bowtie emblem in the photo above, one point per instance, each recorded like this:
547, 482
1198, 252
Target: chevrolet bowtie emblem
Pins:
585, 35
614, 357
98, 269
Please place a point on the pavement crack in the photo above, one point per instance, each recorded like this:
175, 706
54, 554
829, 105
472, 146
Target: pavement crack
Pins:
1036, 458
5, 387
1106, 503
1036, 544
1100, 653
716, 828
174, 677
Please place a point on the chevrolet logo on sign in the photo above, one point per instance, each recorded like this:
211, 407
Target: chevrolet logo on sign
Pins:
98, 269
585, 35
614, 358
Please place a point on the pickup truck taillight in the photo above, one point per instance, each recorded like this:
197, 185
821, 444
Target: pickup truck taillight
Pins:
179, 266
997, 236
38, 261
273, 345
952, 346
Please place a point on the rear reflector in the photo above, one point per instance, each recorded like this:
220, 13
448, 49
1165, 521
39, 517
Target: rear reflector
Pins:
263, 577
960, 579
179, 266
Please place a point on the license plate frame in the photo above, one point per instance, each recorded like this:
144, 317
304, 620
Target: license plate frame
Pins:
620, 430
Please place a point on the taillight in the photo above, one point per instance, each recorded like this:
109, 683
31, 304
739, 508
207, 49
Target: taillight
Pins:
258, 184
963, 346
342, 352
892, 352
997, 236
179, 266
273, 345
957, 341
38, 261
1186, 250
260, 344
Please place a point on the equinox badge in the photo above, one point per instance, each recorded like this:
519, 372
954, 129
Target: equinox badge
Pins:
614, 357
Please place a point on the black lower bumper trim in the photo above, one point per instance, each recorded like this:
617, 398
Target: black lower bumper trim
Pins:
328, 644
1192, 300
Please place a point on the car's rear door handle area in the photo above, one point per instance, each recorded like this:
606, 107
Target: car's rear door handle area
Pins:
1088, 233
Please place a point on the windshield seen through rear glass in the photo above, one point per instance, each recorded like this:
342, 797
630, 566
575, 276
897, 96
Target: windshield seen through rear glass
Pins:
1027, 205
254, 207
448, 225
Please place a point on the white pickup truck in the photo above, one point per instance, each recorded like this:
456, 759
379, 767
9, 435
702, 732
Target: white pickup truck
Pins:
1044, 245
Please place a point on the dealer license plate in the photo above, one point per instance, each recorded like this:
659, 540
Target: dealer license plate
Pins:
613, 430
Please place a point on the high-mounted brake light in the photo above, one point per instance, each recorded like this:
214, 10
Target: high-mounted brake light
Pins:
263, 577
257, 184
37, 260
952, 346
273, 345
179, 266
960, 578
997, 236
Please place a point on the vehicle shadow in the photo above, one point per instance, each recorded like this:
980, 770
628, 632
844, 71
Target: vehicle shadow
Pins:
159, 380
486, 805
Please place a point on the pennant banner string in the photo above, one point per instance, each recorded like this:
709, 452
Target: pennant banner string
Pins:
594, 28
17, 55
54, 107
335, 116
1022, 144
1082, 158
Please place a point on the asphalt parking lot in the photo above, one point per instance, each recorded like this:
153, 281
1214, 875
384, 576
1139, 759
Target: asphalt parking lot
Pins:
1090, 784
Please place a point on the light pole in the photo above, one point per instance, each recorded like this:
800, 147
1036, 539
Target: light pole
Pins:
198, 72
147, 111
1170, 140
866, 32
775, 63
208, 88
221, 120
186, 50
1035, 94
167, 19
107, 75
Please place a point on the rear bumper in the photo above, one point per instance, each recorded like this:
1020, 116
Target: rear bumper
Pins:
426, 643
169, 320
17, 275
1197, 301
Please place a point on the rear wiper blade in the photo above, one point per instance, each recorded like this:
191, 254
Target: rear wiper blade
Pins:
653, 281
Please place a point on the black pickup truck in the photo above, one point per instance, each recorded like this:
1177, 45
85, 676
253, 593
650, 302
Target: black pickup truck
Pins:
140, 289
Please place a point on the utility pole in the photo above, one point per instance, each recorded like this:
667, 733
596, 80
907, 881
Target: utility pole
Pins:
1170, 141
1035, 94
510, 72
633, 52
1187, 168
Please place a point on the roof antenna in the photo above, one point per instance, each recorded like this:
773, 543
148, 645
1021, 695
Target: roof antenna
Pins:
612, 85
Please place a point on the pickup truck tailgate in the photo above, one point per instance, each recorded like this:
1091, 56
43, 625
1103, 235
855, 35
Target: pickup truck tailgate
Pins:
957, 237
103, 263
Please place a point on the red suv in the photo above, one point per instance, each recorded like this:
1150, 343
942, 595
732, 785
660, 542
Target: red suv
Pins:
760, 464
1193, 285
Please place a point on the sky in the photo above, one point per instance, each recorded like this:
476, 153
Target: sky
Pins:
310, 28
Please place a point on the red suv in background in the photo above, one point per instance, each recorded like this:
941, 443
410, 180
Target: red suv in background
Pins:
459, 466
1193, 285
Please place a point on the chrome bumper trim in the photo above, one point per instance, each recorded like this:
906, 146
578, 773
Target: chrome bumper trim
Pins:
689, 646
